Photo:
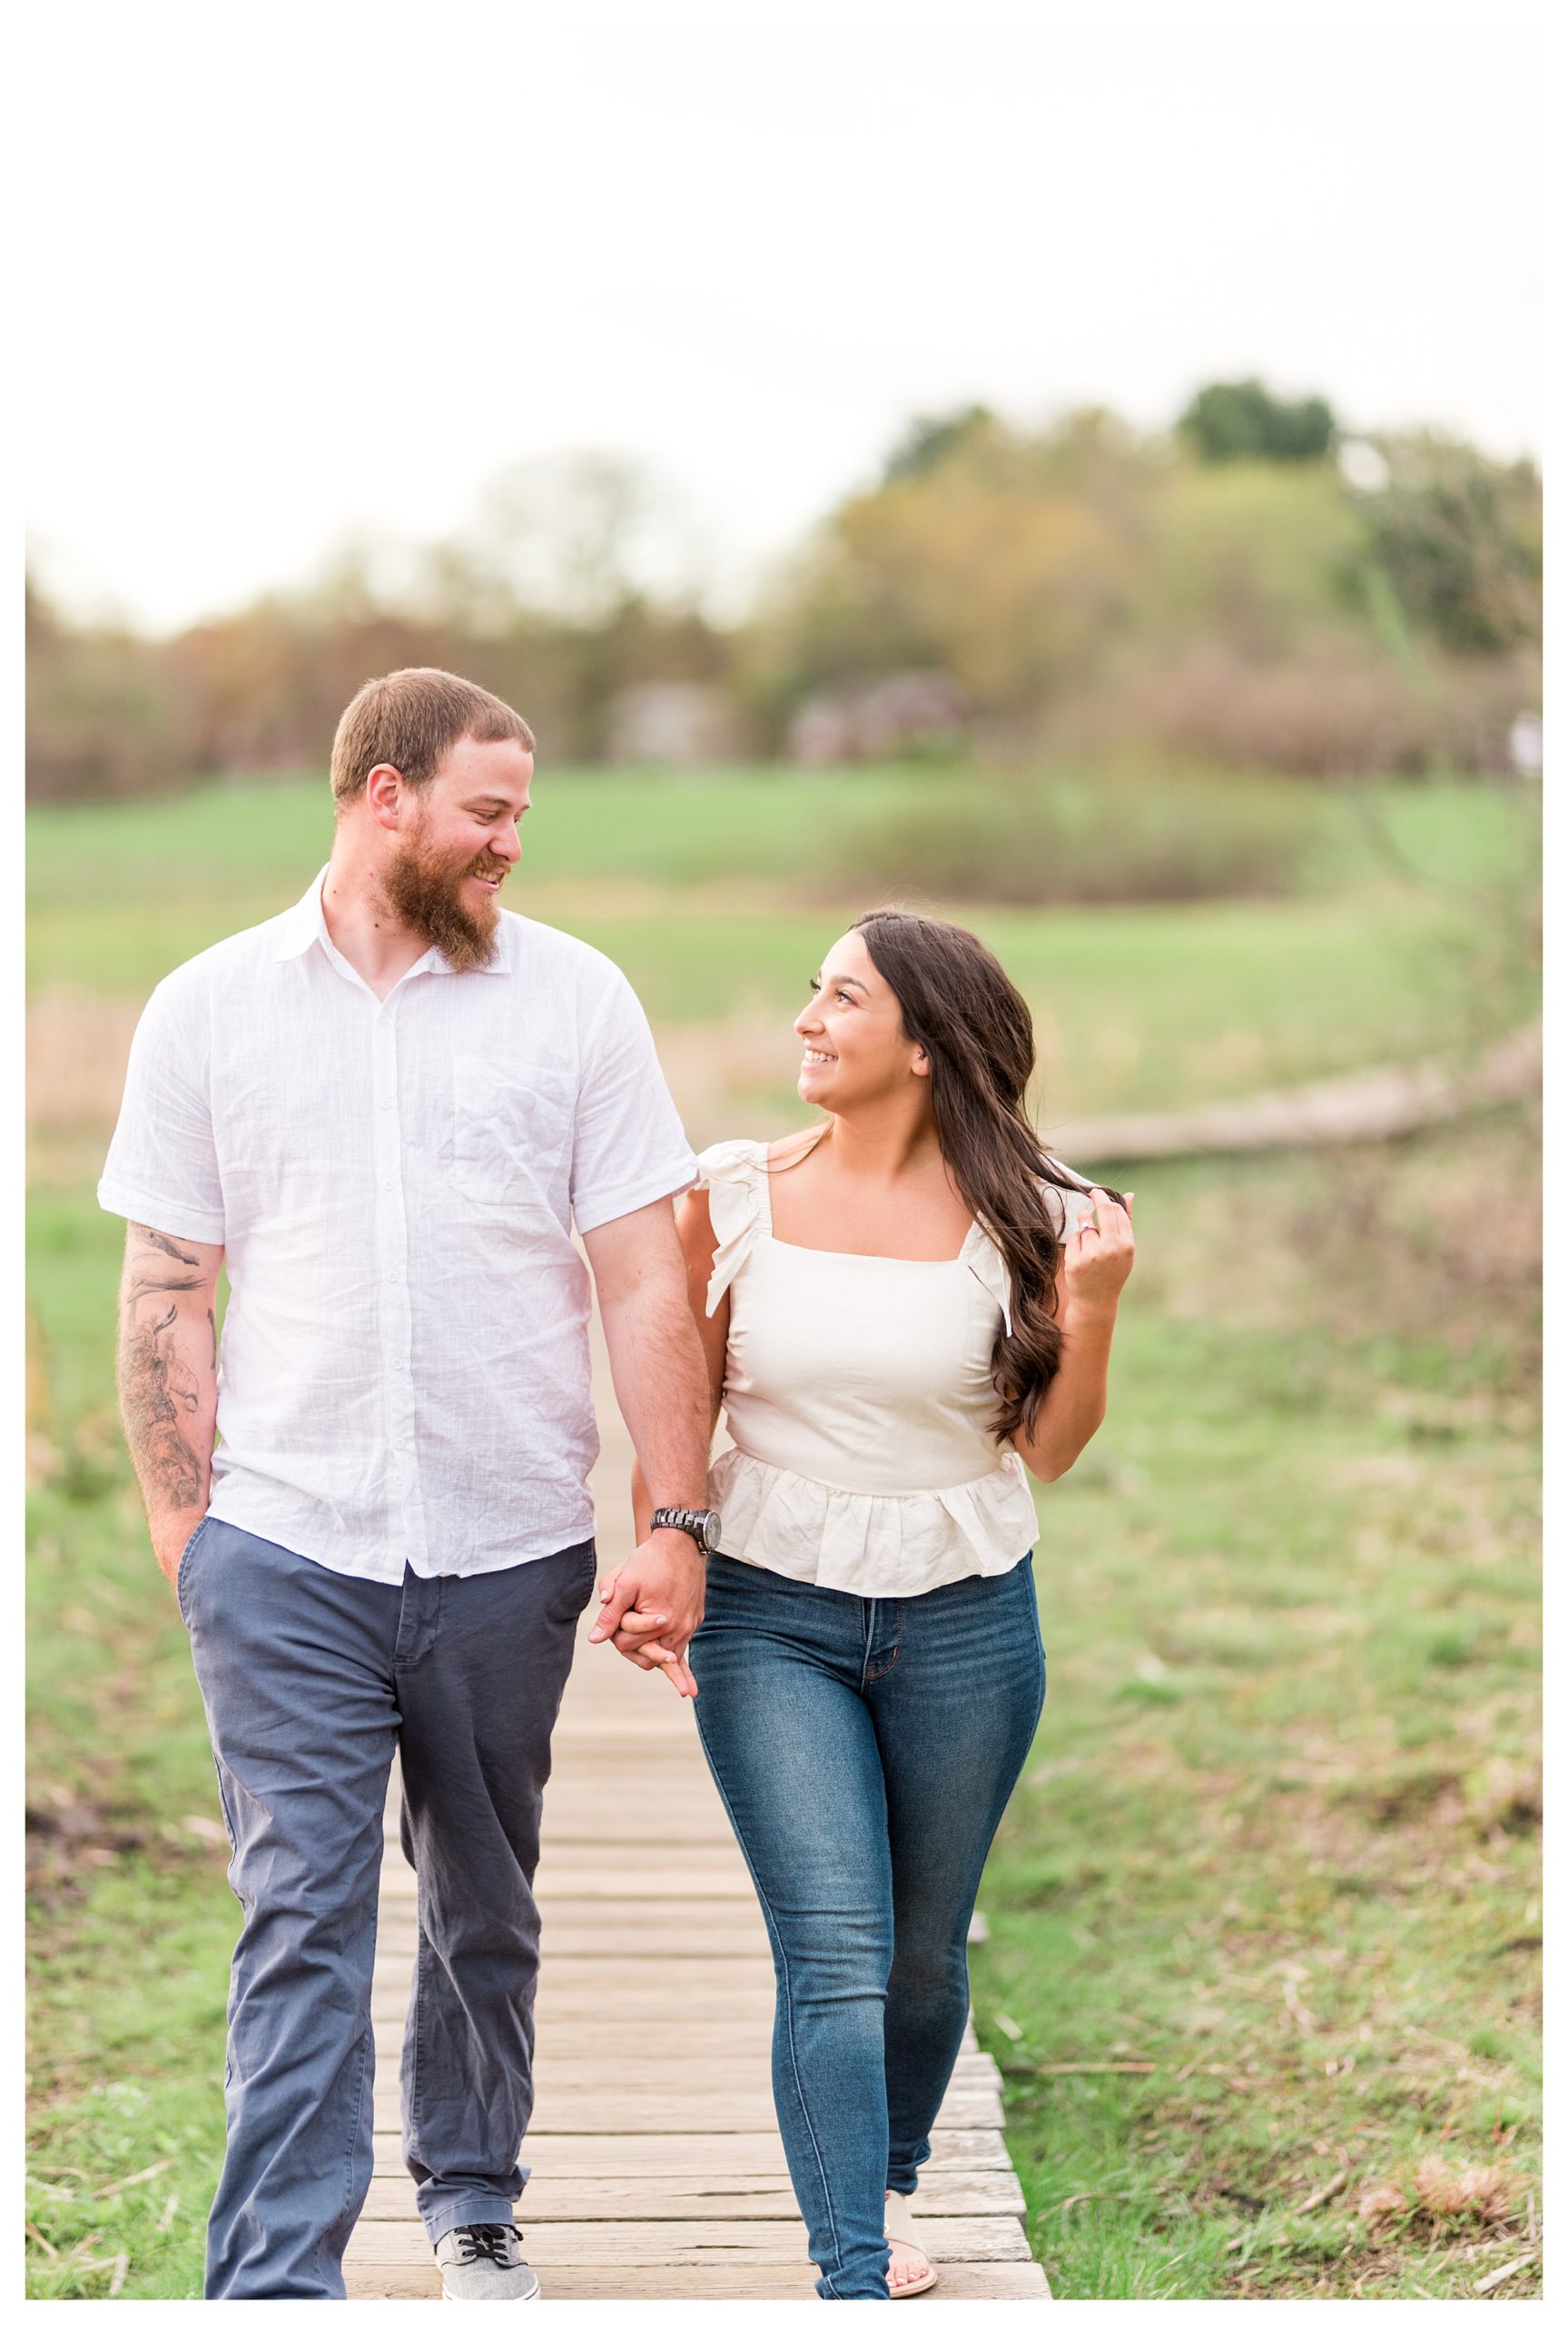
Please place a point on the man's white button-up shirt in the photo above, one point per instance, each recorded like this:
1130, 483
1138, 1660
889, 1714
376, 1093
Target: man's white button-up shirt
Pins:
404, 1372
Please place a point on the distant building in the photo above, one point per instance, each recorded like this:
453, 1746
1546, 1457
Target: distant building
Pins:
670, 723
913, 711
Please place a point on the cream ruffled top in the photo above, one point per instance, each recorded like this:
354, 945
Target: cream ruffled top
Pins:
858, 1393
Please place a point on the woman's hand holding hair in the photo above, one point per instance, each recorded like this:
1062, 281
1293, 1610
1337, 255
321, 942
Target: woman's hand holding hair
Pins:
1097, 1257
1095, 1262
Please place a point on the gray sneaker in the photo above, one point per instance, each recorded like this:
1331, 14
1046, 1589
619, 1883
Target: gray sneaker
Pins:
485, 2262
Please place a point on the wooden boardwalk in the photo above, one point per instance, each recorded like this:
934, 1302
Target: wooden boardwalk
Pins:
657, 2171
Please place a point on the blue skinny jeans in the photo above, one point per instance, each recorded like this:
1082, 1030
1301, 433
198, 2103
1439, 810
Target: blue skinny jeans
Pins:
865, 1749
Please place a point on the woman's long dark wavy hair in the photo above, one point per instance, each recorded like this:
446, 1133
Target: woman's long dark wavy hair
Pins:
969, 1017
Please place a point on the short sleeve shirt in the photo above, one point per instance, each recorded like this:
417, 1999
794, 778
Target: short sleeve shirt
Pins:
404, 1376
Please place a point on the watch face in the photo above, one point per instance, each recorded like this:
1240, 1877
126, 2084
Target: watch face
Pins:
712, 1532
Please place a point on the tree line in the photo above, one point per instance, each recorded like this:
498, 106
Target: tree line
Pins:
1249, 586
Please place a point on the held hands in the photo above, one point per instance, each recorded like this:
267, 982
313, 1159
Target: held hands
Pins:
1096, 1259
653, 1604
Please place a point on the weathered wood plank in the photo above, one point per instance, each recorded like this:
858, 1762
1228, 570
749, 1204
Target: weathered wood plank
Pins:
583, 2045
574, 1981
634, 1929
607, 2110
590, 2155
637, 1929
724, 2281
567, 2063
727, 2072
732, 2026
691, 1939
730, 2057
704, 2196
645, 1856
677, 2242
558, 1880
602, 1962
578, 2033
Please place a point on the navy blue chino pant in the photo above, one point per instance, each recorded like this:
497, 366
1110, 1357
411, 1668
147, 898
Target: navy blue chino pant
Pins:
312, 1680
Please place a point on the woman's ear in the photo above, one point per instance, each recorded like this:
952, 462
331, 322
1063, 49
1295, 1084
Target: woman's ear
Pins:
920, 1063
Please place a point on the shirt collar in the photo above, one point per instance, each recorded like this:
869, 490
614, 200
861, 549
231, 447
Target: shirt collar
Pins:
305, 923
302, 924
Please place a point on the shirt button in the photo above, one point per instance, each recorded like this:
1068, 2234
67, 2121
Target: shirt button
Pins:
386, 1105
386, 1186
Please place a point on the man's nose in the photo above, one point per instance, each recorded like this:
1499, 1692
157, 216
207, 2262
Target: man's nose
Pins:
508, 844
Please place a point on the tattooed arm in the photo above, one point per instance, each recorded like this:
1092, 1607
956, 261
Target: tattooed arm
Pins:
169, 1379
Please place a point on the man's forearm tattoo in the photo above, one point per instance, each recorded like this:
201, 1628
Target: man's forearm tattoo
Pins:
170, 1249
147, 1269
159, 1388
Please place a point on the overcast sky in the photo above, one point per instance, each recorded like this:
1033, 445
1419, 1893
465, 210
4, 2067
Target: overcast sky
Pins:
297, 273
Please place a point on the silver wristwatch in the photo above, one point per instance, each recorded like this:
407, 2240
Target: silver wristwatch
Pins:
701, 1525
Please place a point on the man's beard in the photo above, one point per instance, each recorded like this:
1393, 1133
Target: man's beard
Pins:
424, 889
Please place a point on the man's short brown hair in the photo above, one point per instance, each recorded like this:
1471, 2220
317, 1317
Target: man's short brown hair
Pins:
410, 721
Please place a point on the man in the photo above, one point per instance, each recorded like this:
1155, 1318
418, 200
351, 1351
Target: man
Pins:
384, 1109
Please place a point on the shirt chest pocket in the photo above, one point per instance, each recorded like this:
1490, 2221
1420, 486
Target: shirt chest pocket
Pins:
512, 1134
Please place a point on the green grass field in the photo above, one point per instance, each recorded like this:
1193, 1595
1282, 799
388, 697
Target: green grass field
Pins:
1279, 1836
678, 830
1277, 1849
700, 887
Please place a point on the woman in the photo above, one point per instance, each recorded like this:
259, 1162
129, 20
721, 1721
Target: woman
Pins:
903, 1307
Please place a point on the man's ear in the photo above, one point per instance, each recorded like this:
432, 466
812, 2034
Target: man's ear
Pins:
385, 794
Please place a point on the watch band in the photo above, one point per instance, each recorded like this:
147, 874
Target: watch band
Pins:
701, 1525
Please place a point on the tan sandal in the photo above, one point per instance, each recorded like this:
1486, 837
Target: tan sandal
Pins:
898, 2228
